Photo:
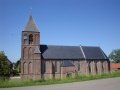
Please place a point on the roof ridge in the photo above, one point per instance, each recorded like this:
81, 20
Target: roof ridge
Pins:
83, 52
60, 45
90, 46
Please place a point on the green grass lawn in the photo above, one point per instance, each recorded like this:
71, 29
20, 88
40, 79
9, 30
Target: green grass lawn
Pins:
78, 78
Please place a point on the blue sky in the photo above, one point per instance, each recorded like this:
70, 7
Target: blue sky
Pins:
61, 22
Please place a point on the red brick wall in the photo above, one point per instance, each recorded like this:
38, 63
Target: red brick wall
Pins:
115, 66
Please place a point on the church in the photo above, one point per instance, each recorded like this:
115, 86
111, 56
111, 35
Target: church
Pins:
40, 61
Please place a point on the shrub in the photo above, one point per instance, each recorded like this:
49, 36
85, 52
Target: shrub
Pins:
5, 68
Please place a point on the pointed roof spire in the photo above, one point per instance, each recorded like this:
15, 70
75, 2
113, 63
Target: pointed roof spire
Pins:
31, 26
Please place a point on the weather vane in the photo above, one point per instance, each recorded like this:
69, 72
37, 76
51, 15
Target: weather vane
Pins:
30, 11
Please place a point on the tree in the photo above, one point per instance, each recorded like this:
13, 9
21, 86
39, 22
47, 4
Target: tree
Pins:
115, 55
17, 68
5, 67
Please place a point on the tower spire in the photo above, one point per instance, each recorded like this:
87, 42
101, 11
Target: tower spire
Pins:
31, 26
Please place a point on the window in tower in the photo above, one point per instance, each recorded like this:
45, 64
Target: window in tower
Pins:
25, 37
25, 53
30, 53
36, 39
25, 68
30, 68
30, 39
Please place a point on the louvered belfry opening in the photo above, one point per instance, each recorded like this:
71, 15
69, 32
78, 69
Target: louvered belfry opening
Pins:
30, 39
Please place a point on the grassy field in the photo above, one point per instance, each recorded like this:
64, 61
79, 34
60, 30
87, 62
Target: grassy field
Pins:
78, 78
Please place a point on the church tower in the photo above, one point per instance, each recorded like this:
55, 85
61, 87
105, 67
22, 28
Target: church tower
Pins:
30, 51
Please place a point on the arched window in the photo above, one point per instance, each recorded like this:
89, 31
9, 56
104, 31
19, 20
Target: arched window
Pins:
30, 39
25, 38
25, 53
36, 39
25, 68
30, 53
30, 68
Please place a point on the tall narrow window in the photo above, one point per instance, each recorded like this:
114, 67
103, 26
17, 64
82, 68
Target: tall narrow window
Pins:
108, 65
25, 71
30, 68
36, 39
30, 53
25, 53
44, 65
96, 69
102, 68
89, 67
25, 38
55, 66
30, 39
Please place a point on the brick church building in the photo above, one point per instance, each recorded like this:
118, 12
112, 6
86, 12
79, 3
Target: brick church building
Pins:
51, 61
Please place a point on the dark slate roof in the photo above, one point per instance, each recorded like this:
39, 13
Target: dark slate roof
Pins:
93, 53
67, 63
71, 52
61, 52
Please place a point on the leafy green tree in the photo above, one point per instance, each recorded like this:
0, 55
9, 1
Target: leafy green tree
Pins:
17, 65
115, 55
5, 67
17, 68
